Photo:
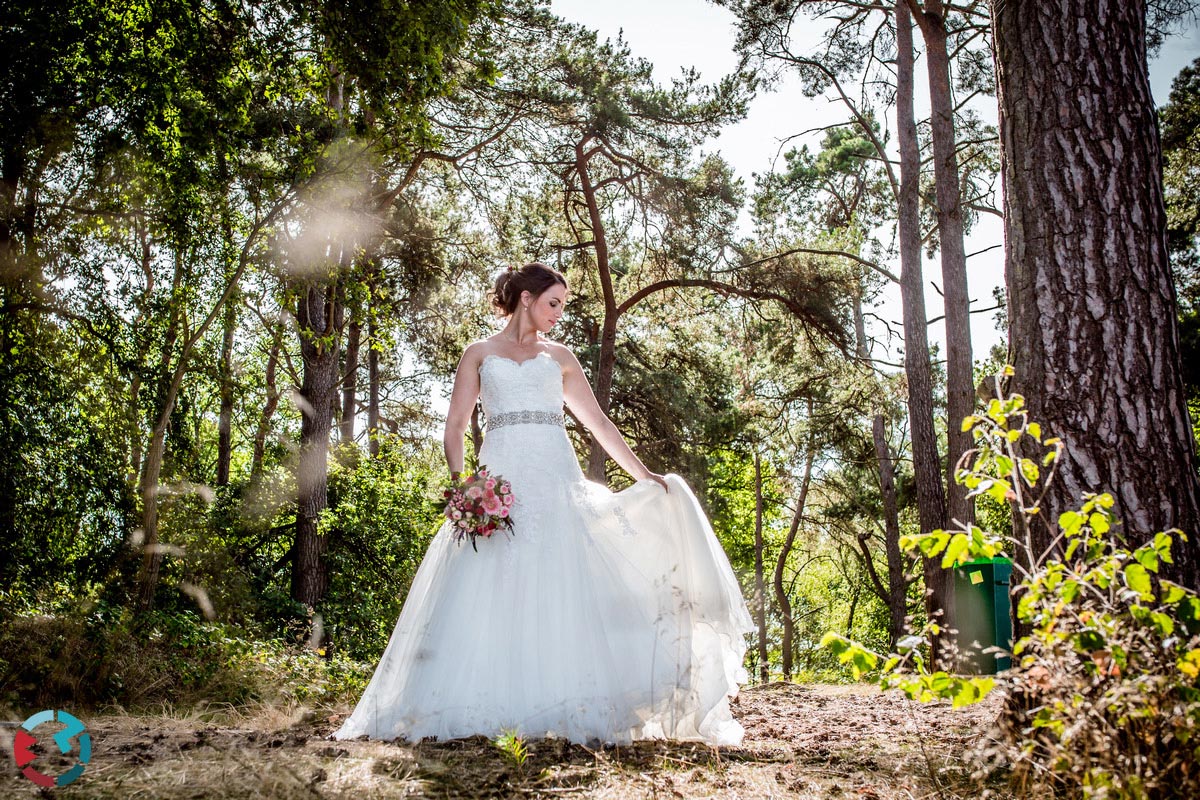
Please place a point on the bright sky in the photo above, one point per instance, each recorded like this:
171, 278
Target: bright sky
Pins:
673, 34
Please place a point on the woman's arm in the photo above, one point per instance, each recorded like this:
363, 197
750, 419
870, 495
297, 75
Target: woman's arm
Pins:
582, 402
462, 403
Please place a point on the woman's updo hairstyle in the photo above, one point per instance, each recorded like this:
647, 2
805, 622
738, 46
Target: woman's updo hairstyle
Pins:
534, 278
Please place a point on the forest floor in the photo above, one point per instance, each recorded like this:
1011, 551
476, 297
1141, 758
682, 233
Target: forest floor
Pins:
802, 741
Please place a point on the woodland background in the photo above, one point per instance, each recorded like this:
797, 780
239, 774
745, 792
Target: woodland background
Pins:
244, 244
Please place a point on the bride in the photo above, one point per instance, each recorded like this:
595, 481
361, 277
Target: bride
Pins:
602, 616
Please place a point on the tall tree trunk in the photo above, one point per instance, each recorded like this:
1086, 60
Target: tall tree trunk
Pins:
760, 587
781, 597
225, 417
602, 380
320, 317
350, 382
931, 498
152, 462
372, 389
897, 584
960, 378
228, 326
1092, 310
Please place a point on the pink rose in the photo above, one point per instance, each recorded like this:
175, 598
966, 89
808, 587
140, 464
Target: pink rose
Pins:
503, 512
508, 500
474, 493
490, 483
456, 514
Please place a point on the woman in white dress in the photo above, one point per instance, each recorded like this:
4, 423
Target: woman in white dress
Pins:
602, 616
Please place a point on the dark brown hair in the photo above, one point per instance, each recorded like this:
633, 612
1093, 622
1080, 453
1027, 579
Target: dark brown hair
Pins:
534, 278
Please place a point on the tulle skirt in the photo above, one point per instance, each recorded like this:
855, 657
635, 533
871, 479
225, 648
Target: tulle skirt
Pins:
603, 616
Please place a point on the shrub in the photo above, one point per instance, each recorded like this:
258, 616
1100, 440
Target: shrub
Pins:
1104, 696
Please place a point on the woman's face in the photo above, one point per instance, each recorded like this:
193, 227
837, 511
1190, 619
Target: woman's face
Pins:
545, 310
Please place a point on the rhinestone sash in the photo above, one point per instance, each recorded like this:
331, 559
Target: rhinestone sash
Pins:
525, 418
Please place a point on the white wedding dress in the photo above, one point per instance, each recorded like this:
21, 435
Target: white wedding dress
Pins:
602, 617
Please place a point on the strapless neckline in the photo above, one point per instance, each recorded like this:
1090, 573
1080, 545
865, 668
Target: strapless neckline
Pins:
516, 363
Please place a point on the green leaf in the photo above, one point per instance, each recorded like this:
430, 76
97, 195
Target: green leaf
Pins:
1138, 579
956, 550
1147, 557
1070, 522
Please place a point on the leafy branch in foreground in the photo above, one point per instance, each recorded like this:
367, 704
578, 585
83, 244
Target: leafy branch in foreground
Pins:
1104, 697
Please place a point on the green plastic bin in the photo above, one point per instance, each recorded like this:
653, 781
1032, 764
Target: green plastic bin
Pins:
983, 614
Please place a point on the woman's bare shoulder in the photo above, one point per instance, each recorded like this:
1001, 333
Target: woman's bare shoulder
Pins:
564, 355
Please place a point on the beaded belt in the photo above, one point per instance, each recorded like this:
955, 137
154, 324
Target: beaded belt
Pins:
525, 418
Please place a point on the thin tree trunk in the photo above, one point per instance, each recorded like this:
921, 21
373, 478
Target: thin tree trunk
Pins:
602, 380
931, 498
228, 326
960, 378
897, 587
781, 596
897, 584
225, 417
760, 588
373, 389
1092, 310
350, 383
272, 402
152, 462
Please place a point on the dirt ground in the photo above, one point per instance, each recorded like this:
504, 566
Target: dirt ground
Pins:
802, 741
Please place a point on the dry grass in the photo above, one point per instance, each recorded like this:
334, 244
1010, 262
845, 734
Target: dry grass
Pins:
801, 742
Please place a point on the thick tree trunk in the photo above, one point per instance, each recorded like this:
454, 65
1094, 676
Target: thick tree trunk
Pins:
319, 315
350, 383
960, 378
1091, 304
760, 586
931, 498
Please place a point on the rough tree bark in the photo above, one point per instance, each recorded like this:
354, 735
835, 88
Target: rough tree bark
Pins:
931, 498
320, 315
960, 378
1091, 304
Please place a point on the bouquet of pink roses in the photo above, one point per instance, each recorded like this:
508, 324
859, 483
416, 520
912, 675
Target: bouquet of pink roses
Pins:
477, 505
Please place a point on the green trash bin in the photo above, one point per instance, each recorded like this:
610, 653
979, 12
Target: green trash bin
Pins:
983, 614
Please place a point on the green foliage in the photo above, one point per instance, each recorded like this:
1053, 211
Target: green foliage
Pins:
379, 524
513, 746
1104, 700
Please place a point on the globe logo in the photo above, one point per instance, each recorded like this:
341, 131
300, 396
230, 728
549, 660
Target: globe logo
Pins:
63, 738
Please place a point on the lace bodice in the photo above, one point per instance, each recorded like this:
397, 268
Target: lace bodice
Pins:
507, 386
